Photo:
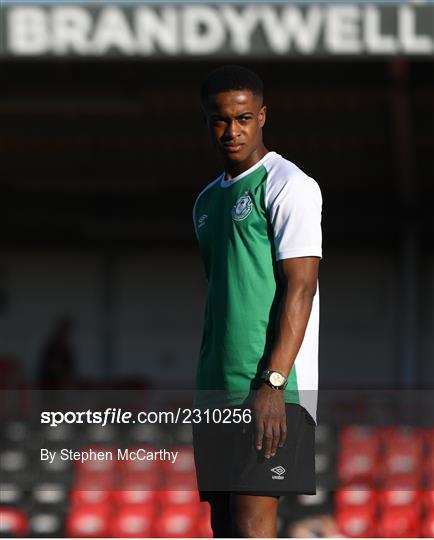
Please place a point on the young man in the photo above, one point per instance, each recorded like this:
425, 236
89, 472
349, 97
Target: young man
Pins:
259, 231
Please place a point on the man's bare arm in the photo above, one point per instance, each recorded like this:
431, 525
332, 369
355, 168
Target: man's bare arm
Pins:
299, 278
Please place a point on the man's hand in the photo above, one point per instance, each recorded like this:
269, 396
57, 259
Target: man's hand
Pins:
270, 419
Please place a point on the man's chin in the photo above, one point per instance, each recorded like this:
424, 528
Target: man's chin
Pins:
234, 157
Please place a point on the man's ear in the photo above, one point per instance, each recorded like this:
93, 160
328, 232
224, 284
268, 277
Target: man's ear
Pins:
262, 115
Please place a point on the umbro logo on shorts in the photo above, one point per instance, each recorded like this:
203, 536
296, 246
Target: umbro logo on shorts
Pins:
279, 470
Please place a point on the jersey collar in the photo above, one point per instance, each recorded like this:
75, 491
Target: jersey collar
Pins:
226, 183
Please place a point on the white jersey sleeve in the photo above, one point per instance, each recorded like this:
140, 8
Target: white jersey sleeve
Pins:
294, 205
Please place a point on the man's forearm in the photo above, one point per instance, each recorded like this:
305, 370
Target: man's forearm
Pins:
294, 312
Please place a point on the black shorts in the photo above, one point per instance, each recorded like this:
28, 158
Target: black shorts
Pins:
227, 460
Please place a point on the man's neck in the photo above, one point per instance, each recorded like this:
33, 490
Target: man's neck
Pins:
233, 169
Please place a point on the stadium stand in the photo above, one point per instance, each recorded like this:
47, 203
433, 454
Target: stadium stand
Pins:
394, 494
378, 483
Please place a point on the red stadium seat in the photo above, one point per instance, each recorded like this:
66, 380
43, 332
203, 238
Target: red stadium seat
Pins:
97, 465
95, 480
205, 510
88, 521
141, 480
428, 468
356, 522
177, 522
399, 522
358, 465
426, 435
184, 462
203, 528
430, 438
428, 500
402, 461
400, 498
203, 523
80, 497
135, 495
140, 488
428, 525
359, 436
186, 480
402, 482
178, 497
13, 522
133, 521
140, 465
356, 496
401, 438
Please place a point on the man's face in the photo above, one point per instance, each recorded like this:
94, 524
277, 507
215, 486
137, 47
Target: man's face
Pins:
235, 119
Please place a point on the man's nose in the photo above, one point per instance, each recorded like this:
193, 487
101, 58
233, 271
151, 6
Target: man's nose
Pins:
232, 130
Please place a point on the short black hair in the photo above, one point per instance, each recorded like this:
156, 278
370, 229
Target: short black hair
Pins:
231, 77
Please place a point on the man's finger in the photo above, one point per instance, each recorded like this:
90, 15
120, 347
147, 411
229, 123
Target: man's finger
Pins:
276, 439
259, 434
268, 438
283, 433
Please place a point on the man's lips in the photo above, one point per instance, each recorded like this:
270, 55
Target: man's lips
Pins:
232, 147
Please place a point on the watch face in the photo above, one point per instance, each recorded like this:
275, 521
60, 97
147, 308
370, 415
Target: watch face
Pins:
276, 379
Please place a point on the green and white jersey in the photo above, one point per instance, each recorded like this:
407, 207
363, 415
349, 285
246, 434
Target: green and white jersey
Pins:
244, 226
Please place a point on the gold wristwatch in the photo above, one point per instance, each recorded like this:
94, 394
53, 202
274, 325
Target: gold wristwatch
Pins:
275, 379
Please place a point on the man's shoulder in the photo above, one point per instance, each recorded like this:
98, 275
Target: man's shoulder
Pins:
208, 187
284, 173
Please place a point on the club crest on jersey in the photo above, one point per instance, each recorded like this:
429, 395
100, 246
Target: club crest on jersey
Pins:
242, 207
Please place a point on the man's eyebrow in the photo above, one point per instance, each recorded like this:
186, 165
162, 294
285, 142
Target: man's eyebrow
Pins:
216, 115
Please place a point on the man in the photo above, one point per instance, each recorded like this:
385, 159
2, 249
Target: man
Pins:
259, 233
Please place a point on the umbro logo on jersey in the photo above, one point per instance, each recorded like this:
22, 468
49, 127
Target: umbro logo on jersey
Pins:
242, 207
279, 471
202, 220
